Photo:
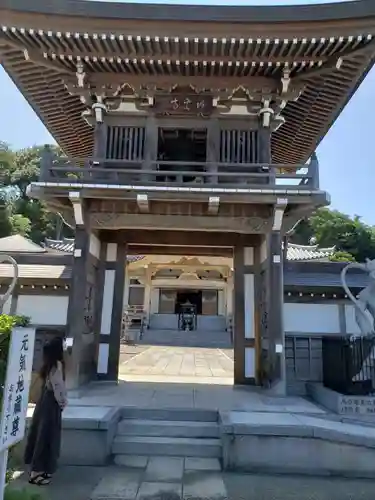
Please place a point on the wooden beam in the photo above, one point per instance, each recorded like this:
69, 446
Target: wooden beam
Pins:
335, 62
183, 251
175, 239
141, 57
105, 79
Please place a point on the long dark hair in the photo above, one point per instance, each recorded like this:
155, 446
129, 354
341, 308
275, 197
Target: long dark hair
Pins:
53, 352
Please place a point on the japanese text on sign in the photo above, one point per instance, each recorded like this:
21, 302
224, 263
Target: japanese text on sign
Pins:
364, 405
17, 385
193, 104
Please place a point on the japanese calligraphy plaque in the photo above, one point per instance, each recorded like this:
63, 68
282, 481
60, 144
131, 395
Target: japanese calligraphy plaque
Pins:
183, 104
17, 386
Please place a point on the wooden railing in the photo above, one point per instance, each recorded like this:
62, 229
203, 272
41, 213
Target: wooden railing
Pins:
177, 173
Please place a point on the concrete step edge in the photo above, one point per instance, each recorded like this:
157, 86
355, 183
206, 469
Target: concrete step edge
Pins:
168, 423
167, 440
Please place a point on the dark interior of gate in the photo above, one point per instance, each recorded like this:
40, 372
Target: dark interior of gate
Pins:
177, 328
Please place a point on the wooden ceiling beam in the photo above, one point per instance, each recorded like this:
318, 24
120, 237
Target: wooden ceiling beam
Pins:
335, 62
101, 80
140, 56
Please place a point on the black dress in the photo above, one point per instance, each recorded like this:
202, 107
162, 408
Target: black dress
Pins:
44, 438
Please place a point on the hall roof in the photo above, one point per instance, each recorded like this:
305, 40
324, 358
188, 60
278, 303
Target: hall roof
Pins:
17, 244
327, 50
294, 252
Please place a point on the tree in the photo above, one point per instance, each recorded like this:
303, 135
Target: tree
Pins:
5, 222
23, 215
332, 228
342, 257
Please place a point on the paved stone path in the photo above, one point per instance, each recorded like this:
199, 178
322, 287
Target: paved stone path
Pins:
177, 364
85, 483
167, 394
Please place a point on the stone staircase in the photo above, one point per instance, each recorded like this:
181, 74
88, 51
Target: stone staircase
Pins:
143, 433
196, 338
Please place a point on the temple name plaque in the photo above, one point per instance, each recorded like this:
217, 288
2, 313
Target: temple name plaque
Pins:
183, 104
357, 405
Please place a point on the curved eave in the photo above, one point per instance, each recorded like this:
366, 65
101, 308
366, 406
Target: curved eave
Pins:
169, 12
301, 32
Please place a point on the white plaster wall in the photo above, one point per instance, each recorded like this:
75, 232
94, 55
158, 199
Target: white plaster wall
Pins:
248, 256
109, 286
94, 246
221, 303
249, 362
249, 306
44, 309
311, 318
154, 304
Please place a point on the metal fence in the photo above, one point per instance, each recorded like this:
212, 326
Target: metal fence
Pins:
349, 364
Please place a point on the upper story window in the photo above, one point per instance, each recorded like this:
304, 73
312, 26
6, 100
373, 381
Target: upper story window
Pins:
239, 146
125, 143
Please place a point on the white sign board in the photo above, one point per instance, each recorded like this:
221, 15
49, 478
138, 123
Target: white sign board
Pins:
17, 386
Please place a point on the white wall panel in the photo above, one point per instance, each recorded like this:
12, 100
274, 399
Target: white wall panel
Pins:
249, 362
249, 306
44, 309
103, 357
311, 318
108, 292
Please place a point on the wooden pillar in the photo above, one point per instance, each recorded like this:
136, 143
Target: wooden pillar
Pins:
111, 311
100, 141
273, 338
213, 148
82, 308
265, 156
244, 335
147, 297
150, 147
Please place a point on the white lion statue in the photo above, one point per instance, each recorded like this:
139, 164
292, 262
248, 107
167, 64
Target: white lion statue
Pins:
9, 260
364, 305
365, 301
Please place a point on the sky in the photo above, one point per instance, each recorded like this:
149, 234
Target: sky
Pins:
346, 155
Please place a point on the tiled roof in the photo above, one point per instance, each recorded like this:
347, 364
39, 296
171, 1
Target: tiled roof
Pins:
294, 253
308, 252
67, 246
19, 244
322, 279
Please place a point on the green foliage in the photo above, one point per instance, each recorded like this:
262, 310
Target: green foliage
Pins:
24, 494
349, 236
18, 213
342, 257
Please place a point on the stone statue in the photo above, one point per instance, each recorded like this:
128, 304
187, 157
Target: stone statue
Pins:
9, 260
364, 304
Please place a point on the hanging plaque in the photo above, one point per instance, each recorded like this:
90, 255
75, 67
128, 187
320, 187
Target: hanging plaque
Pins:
183, 104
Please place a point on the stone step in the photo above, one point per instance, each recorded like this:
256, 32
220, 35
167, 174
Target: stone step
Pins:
170, 414
167, 428
166, 446
190, 463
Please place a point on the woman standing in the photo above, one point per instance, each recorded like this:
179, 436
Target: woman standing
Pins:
44, 438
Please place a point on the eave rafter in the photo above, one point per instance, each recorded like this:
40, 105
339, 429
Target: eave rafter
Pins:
321, 71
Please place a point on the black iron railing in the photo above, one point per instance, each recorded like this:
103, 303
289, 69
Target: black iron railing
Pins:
178, 173
349, 364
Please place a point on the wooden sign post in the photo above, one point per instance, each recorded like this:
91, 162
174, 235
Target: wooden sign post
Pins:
15, 395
